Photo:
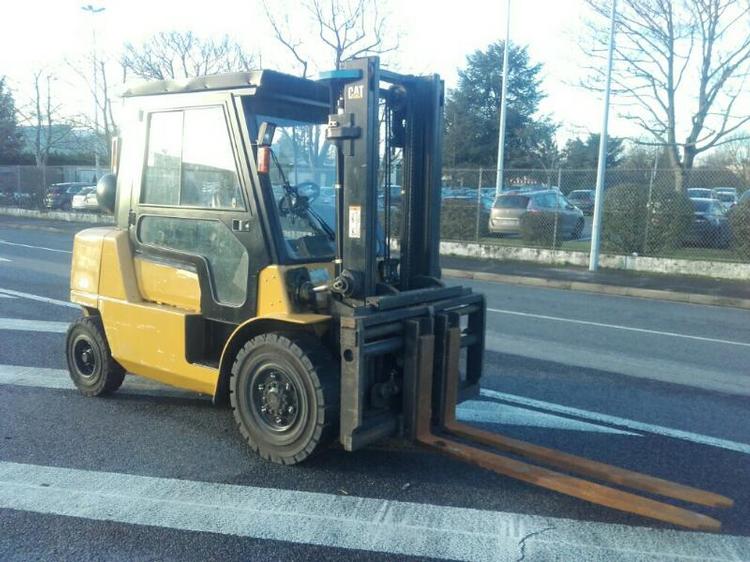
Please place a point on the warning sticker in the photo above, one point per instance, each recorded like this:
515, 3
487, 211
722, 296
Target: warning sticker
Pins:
355, 221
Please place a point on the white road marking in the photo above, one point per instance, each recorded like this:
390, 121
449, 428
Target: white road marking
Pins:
395, 527
5, 259
584, 354
34, 325
58, 379
38, 298
618, 327
35, 247
621, 422
472, 411
38, 377
501, 414
4, 296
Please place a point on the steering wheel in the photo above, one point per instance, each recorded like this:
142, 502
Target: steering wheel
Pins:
308, 189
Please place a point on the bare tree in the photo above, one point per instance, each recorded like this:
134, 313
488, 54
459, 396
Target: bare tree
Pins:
346, 29
51, 130
680, 68
102, 125
733, 155
175, 54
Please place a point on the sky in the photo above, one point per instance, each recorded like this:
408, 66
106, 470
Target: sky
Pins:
436, 36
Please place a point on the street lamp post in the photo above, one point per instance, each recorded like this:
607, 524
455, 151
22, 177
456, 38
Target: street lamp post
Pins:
94, 10
596, 228
503, 96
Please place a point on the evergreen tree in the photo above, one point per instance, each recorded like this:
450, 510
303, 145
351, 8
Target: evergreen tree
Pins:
583, 154
10, 137
472, 112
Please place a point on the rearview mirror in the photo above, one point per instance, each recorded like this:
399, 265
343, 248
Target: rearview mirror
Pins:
266, 132
106, 189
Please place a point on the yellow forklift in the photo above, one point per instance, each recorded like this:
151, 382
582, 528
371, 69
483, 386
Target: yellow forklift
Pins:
307, 296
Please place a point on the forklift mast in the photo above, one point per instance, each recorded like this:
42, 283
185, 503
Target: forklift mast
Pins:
407, 111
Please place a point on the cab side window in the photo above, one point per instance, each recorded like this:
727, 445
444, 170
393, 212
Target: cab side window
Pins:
190, 162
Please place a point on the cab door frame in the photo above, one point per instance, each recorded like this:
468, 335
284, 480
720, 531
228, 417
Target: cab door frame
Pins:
244, 223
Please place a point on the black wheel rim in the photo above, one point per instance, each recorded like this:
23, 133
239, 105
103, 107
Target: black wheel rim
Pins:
275, 398
84, 357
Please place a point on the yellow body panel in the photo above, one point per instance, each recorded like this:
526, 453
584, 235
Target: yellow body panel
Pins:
272, 294
84, 273
144, 306
149, 340
117, 279
166, 284
273, 298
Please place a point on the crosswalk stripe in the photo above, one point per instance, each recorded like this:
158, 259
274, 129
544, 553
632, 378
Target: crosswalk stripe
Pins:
350, 522
5, 259
59, 379
33, 325
472, 411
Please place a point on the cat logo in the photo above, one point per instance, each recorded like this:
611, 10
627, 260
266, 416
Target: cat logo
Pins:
355, 92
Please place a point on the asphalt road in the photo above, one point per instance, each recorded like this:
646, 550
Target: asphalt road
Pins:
155, 473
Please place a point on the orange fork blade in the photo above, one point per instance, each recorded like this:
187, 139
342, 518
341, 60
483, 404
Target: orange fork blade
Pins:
572, 486
588, 467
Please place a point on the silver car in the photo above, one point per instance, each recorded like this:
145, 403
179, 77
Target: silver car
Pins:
727, 196
509, 208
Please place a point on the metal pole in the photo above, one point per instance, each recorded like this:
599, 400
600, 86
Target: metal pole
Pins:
503, 96
93, 10
479, 202
602, 164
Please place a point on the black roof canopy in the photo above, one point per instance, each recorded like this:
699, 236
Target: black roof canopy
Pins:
255, 82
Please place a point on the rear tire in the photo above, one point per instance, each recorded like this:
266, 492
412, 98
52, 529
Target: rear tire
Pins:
284, 392
90, 362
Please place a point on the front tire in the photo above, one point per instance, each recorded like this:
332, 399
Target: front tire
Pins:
90, 362
284, 393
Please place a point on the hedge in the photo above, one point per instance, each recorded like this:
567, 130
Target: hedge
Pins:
636, 221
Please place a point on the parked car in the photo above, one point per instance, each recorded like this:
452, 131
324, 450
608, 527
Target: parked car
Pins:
727, 196
700, 193
530, 187
509, 208
583, 199
15, 199
711, 228
60, 195
85, 200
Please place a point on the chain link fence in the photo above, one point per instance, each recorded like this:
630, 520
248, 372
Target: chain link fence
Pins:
644, 211
25, 186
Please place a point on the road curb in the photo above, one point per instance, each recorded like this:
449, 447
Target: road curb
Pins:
600, 288
63, 216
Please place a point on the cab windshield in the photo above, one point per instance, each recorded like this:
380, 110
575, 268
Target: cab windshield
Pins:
300, 179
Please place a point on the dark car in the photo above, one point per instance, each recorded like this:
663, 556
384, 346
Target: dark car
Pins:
710, 228
509, 208
60, 195
583, 199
